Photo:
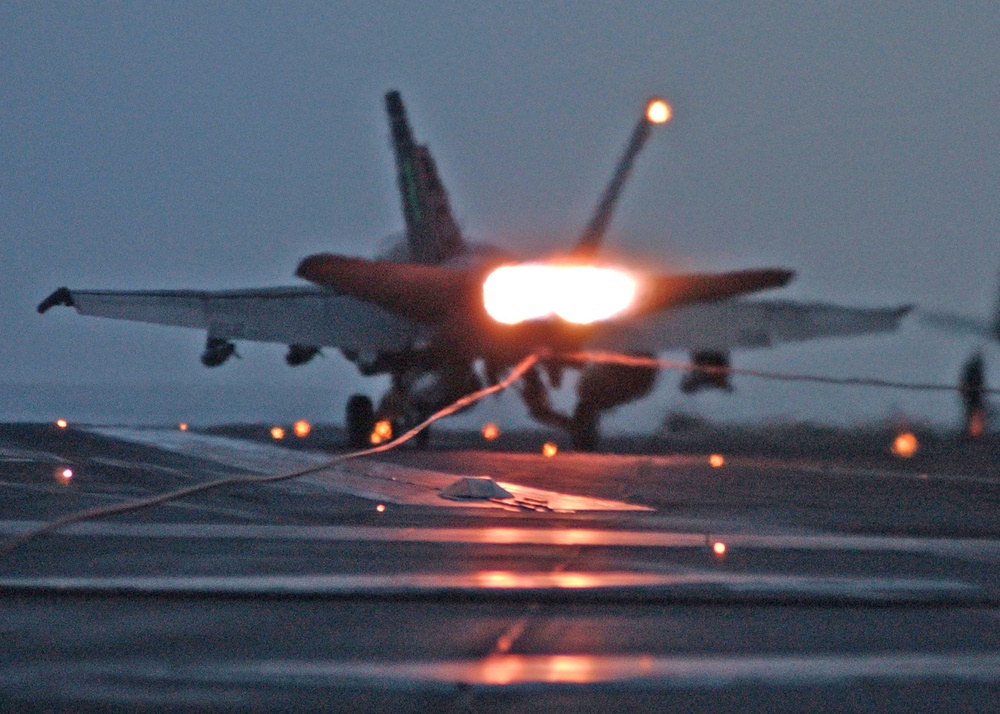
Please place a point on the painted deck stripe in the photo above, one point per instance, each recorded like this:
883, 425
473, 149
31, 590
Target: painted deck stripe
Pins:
690, 584
970, 548
375, 480
681, 672
511, 672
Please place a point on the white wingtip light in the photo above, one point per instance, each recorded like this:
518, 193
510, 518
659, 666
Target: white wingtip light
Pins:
658, 111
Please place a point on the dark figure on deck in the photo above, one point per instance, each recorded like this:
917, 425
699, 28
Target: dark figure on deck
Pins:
971, 388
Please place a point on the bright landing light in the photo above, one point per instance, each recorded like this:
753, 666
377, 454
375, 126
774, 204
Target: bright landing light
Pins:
658, 111
580, 294
905, 445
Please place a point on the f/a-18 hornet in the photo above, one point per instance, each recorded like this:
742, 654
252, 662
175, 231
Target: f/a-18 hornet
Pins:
442, 316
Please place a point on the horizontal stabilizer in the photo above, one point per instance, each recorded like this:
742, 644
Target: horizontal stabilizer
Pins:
424, 293
667, 291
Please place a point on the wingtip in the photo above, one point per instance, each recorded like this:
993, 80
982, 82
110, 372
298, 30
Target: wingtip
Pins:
318, 268
61, 296
783, 276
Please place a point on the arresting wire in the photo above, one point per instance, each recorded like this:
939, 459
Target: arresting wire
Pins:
601, 357
11, 544
590, 357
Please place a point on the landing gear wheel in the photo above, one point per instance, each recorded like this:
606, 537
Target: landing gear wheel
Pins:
360, 420
421, 440
583, 428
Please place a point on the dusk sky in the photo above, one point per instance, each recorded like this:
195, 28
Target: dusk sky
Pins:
166, 145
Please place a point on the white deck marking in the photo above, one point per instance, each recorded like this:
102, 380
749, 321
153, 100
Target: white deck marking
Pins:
967, 548
640, 670
15, 455
691, 584
629, 671
374, 480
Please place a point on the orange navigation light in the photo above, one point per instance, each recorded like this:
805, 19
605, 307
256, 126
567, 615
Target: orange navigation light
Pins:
62, 423
302, 428
549, 449
490, 432
716, 461
277, 433
381, 432
977, 424
580, 294
658, 111
380, 508
719, 548
905, 445
182, 426
64, 476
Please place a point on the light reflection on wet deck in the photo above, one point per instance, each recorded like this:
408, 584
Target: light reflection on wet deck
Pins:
633, 671
970, 548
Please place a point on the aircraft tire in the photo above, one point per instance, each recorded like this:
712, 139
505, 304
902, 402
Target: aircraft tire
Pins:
422, 439
584, 428
360, 420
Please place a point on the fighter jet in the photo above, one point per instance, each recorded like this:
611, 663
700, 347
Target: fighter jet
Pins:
442, 316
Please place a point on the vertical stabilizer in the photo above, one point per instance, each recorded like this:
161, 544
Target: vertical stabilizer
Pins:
431, 231
657, 111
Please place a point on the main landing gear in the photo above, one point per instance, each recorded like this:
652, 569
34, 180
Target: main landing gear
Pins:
360, 420
361, 423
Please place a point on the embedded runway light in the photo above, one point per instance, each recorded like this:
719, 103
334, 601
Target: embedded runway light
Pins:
719, 548
380, 508
381, 432
658, 111
302, 428
62, 423
549, 449
182, 426
490, 432
580, 294
277, 433
64, 476
977, 424
716, 461
905, 445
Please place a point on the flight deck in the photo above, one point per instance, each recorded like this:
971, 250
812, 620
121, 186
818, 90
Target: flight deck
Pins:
719, 572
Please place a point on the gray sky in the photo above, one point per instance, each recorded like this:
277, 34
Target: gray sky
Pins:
168, 145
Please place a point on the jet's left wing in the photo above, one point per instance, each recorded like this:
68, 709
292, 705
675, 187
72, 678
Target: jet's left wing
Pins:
292, 315
726, 324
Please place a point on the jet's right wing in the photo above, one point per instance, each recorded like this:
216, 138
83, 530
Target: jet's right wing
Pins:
293, 315
722, 325
968, 325
961, 323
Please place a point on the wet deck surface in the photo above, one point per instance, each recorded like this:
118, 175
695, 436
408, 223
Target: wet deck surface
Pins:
850, 580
